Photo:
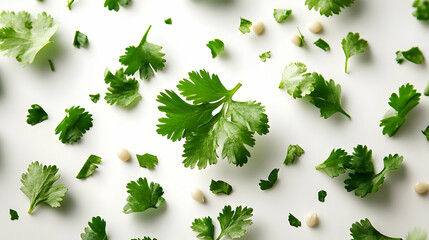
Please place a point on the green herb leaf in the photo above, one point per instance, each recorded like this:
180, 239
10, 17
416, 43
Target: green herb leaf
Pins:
336, 163
38, 185
364, 230
143, 196
80, 40
426, 133
321, 195
89, 167
145, 58
328, 7
265, 55
293, 221
122, 91
293, 151
281, 14
96, 230
36, 115
233, 223
216, 47
205, 228
147, 160
245, 25
426, 91
413, 55
114, 4
352, 45
145, 238
13, 215
272, 179
69, 4
422, 9
298, 83
22, 37
168, 21
74, 125
94, 97
417, 234
220, 186
322, 44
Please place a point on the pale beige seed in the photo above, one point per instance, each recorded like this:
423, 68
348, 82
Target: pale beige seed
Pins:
421, 187
198, 195
295, 39
258, 28
123, 154
314, 27
312, 219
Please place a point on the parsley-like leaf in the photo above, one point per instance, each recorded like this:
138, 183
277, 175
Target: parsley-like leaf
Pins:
216, 47
245, 25
321, 195
352, 45
422, 9
94, 97
364, 230
264, 56
328, 7
293, 151
96, 230
417, 234
143, 196
13, 215
147, 160
22, 37
145, 58
80, 40
205, 228
426, 133
220, 186
168, 21
401, 104
322, 44
122, 91
114, 4
38, 185
89, 166
233, 223
298, 83
74, 125
293, 221
272, 179
232, 127
281, 14
36, 115
413, 55
336, 163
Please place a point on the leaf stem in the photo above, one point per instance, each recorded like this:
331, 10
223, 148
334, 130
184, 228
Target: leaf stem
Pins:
347, 60
232, 91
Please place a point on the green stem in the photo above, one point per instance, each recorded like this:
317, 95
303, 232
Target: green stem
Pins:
347, 60
232, 91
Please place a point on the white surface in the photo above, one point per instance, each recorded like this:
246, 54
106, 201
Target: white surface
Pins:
387, 25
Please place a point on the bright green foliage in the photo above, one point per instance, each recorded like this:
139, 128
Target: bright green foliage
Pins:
216, 47
293, 221
96, 230
328, 7
147, 160
272, 179
322, 44
293, 151
80, 40
264, 56
69, 4
422, 9
22, 37
114, 4
325, 95
321, 195
245, 25
413, 55
168, 21
122, 91
401, 104
38, 185
89, 167
145, 238
352, 45
364, 230
145, 58
74, 125
232, 127
13, 215
233, 223
281, 14
36, 115
143, 196
426, 132
336, 163
94, 97
417, 234
205, 228
220, 186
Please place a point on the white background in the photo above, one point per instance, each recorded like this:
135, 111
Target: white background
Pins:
388, 25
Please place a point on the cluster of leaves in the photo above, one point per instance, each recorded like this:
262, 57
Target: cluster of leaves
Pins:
36, 114
362, 178
143, 196
122, 91
89, 167
325, 95
328, 7
96, 230
74, 125
413, 55
232, 127
352, 45
422, 9
232, 223
220, 186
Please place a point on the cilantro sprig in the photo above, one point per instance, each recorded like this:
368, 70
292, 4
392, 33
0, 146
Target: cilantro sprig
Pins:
122, 91
352, 44
364, 230
328, 7
96, 230
143, 196
76, 122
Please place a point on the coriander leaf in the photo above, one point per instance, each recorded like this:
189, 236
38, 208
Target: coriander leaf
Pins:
145, 238
293, 221
232, 223
96, 230
205, 228
22, 37
232, 127
216, 47
245, 25
413, 55
272, 179
361, 160
38, 185
122, 91
422, 9
13, 215
94, 97
69, 4
265, 55
426, 133
51, 65
293, 151
352, 45
89, 167
364, 230
143, 196
336, 163
168, 21
74, 125
417, 234
36, 115
321, 195
80, 40
147, 160
114, 4
145, 58
281, 14
220, 186
401, 104
322, 44
328, 7
298, 83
